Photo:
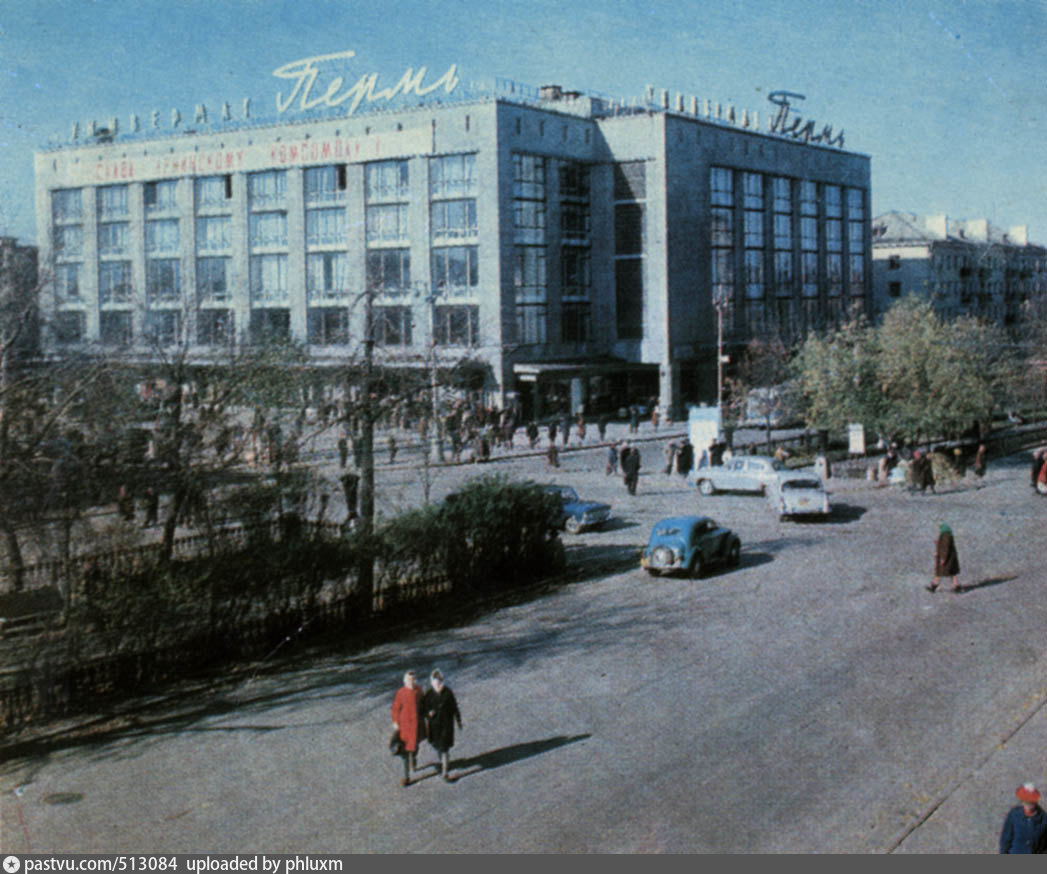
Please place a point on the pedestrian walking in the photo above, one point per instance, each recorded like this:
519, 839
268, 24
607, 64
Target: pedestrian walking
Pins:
685, 458
441, 714
612, 459
1034, 471
634, 419
670, 456
343, 448
407, 723
1041, 477
946, 560
351, 487
1025, 828
601, 426
654, 416
532, 434
565, 430
581, 430
552, 455
630, 463
392, 449
125, 504
551, 430
980, 461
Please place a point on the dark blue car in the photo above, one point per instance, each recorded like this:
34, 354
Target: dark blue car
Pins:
691, 545
578, 515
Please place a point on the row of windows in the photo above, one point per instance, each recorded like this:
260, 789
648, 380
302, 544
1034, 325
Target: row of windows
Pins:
450, 176
392, 326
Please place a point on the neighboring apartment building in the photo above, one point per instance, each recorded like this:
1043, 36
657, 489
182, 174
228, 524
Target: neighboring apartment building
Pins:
572, 246
964, 267
19, 301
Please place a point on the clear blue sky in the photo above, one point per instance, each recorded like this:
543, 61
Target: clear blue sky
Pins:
949, 98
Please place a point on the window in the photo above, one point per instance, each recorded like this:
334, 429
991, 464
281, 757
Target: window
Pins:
69, 241
387, 223
161, 196
574, 180
783, 273
808, 274
213, 191
163, 327
268, 229
721, 186
782, 194
66, 205
754, 282
722, 226
529, 278
268, 325
574, 220
392, 326
214, 327
628, 295
529, 221
267, 189
576, 322
452, 176
753, 229
834, 274
114, 328
327, 275
114, 282
161, 236
455, 269
856, 275
214, 233
752, 191
628, 229
112, 201
723, 274
783, 234
269, 278
325, 184
212, 283
809, 234
328, 326
325, 227
387, 180
67, 282
70, 327
529, 177
389, 270
451, 219
808, 198
456, 325
833, 235
855, 204
531, 321
161, 280
833, 204
113, 237
576, 271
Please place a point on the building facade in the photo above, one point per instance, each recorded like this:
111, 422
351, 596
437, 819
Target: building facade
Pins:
577, 251
963, 267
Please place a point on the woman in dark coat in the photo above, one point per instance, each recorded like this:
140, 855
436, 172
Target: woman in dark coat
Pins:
946, 561
1025, 828
441, 713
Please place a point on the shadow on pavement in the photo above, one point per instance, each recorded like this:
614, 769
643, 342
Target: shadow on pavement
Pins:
754, 559
987, 582
508, 755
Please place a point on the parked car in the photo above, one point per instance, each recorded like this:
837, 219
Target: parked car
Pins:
800, 494
579, 515
690, 544
746, 473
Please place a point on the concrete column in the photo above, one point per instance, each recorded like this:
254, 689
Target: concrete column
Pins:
139, 298
296, 291
239, 268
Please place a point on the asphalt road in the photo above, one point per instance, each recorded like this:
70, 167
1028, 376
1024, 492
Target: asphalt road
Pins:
816, 699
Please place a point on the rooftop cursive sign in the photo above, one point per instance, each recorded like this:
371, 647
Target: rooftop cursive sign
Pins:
795, 126
304, 74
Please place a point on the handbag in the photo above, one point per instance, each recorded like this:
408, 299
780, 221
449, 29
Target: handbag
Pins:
396, 746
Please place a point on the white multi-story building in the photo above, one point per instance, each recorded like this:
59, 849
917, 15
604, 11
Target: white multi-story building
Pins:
575, 247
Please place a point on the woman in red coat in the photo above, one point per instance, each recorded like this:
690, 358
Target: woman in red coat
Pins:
407, 720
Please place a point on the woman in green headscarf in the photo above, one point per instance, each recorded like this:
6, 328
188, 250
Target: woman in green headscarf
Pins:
946, 561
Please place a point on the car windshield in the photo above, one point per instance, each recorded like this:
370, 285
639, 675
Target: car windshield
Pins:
667, 531
801, 484
569, 496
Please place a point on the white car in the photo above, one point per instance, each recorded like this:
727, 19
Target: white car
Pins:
744, 473
800, 494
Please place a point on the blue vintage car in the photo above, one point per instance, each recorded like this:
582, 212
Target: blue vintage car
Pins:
690, 544
578, 515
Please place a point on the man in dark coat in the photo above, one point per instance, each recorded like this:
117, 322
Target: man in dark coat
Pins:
441, 713
685, 458
1025, 828
630, 463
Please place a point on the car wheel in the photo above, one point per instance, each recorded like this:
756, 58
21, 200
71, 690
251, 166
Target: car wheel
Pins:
652, 572
706, 487
573, 526
696, 569
734, 554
